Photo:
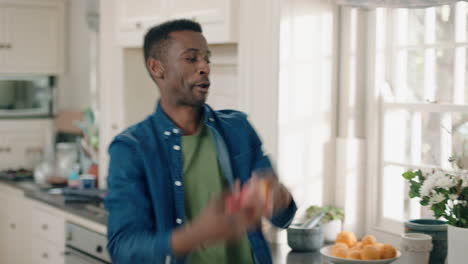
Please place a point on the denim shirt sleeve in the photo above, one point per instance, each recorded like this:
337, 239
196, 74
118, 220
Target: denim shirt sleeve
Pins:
283, 218
132, 237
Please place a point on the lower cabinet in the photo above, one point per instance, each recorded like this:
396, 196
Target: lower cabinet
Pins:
30, 232
14, 227
47, 234
44, 252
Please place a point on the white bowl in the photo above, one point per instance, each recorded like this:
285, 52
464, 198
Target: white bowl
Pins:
326, 253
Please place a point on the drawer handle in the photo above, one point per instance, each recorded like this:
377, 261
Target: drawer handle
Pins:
45, 255
8, 46
44, 227
138, 24
12, 226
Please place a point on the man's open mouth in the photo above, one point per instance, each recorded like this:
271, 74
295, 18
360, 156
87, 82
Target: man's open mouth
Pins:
203, 86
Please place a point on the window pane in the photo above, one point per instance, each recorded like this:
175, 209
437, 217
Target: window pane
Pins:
416, 26
409, 74
393, 190
444, 71
460, 136
445, 23
397, 134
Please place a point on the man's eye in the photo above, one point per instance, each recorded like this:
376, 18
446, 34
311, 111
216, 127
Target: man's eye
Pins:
207, 60
191, 59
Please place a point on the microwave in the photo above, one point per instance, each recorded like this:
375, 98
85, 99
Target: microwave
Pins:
27, 96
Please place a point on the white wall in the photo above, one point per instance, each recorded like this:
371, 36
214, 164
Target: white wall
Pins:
75, 92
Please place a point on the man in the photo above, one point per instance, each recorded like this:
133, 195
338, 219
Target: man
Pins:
171, 174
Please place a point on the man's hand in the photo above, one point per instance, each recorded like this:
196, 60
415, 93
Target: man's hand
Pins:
215, 224
279, 197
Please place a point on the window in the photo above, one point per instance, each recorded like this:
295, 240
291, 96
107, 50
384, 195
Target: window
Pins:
420, 70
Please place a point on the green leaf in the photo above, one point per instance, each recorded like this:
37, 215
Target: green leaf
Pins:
408, 175
424, 201
420, 175
414, 189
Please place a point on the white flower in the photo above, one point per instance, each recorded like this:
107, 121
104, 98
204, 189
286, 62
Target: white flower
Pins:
444, 181
427, 187
437, 198
464, 178
453, 197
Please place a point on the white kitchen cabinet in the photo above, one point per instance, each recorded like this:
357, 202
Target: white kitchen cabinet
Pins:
47, 234
219, 18
14, 227
23, 142
31, 37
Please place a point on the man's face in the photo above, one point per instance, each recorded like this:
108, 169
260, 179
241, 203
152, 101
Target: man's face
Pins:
186, 69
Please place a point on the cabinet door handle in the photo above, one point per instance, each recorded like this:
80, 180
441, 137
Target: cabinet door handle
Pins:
12, 226
45, 255
138, 24
8, 149
45, 227
2, 45
8, 46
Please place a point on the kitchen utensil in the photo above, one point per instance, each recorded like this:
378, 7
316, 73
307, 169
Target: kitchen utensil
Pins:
305, 239
416, 248
311, 223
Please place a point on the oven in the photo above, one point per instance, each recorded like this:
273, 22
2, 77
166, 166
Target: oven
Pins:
84, 246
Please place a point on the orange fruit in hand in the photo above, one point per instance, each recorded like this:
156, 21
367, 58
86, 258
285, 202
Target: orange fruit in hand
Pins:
370, 252
387, 251
346, 237
368, 240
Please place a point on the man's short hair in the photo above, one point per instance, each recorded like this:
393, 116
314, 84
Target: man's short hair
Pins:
157, 38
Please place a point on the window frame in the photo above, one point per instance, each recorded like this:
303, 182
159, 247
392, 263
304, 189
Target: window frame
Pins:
378, 50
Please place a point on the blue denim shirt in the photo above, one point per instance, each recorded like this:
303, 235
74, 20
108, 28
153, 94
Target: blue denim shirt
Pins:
145, 197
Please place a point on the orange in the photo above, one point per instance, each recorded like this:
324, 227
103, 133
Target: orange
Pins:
370, 252
368, 240
354, 254
346, 237
336, 247
358, 245
387, 251
342, 253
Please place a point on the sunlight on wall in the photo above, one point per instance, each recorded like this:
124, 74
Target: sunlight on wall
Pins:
306, 103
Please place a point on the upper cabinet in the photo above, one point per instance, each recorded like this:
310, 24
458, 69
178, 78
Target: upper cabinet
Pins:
31, 37
219, 18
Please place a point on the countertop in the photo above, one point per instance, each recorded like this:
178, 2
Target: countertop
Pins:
33, 191
281, 253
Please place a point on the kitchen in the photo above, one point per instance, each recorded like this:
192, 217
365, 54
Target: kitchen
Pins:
319, 80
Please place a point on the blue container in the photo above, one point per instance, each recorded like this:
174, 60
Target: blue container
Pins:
437, 229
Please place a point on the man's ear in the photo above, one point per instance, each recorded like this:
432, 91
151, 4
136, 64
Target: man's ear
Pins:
155, 67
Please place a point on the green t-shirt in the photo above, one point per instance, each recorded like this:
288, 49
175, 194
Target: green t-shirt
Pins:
203, 180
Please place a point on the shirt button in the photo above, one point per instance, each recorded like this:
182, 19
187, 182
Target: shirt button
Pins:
167, 133
179, 221
178, 183
211, 119
175, 130
176, 147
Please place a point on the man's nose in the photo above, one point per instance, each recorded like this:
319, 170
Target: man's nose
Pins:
204, 68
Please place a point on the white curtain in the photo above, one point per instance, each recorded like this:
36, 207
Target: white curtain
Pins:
394, 3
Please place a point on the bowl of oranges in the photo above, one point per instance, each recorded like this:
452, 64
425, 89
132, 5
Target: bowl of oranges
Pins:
348, 250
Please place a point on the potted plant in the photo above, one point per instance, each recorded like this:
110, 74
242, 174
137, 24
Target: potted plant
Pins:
332, 222
447, 195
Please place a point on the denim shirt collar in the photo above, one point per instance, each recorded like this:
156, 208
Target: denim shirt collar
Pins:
164, 126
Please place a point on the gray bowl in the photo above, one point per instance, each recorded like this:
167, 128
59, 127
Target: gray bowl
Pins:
300, 239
